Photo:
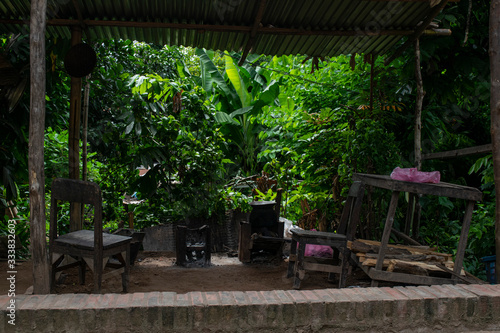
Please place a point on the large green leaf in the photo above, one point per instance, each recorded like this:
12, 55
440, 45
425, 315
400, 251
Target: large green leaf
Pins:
237, 81
210, 75
224, 118
241, 111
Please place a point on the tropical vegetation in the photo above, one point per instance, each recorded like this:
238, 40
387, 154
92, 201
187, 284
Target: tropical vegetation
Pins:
206, 128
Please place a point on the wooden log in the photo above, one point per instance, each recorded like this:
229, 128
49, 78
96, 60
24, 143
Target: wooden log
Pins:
41, 278
407, 267
412, 257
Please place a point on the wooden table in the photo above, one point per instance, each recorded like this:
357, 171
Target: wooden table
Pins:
470, 194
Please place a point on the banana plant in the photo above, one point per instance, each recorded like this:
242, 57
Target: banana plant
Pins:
240, 93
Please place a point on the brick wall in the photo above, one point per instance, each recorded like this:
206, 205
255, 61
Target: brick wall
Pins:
447, 308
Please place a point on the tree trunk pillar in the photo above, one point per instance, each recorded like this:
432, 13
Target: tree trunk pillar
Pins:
75, 111
36, 176
494, 52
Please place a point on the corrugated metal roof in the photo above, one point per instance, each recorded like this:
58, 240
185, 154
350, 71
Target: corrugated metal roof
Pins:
312, 27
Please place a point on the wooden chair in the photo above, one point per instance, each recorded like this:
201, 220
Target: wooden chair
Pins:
87, 247
251, 238
298, 263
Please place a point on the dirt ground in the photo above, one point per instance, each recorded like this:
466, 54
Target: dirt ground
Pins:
153, 271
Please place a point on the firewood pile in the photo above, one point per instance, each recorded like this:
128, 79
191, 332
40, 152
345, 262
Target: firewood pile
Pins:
417, 260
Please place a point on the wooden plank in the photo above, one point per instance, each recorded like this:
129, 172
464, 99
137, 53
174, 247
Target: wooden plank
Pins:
409, 249
462, 244
387, 233
406, 278
405, 237
440, 189
310, 266
41, 275
459, 152
410, 257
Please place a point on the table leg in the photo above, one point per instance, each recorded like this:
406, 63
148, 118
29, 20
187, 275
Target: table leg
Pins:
459, 258
387, 233
299, 265
293, 258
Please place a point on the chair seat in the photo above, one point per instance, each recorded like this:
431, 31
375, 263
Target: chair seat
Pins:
318, 235
84, 239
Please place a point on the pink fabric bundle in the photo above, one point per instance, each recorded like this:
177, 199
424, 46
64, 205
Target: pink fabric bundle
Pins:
319, 251
413, 175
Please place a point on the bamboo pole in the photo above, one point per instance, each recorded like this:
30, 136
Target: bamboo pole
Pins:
494, 51
41, 282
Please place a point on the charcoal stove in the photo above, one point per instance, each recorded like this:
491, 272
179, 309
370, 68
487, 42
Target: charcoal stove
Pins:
193, 246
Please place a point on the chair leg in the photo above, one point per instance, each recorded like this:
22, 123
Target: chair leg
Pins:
125, 275
292, 259
346, 253
97, 273
299, 266
53, 269
81, 271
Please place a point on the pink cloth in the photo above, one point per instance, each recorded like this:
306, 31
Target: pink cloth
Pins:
413, 175
320, 251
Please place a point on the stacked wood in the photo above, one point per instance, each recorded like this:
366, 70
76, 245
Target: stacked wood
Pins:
417, 260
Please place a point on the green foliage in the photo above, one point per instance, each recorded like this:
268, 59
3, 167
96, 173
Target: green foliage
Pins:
198, 121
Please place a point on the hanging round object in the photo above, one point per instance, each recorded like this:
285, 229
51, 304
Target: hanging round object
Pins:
80, 60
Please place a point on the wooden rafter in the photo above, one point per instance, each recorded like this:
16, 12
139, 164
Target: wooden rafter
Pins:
420, 29
223, 28
253, 32
459, 152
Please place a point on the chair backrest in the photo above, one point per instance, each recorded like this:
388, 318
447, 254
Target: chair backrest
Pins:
77, 191
350, 214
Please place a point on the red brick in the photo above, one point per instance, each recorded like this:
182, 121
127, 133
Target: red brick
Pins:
167, 298
153, 299
227, 298
212, 298
481, 290
254, 297
297, 296
240, 298
270, 297
283, 297
32, 302
197, 298
122, 300
183, 300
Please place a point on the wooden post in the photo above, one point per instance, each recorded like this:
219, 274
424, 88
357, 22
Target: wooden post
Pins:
495, 115
418, 108
75, 110
85, 127
414, 204
41, 279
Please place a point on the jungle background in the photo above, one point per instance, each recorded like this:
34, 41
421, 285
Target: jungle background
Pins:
208, 128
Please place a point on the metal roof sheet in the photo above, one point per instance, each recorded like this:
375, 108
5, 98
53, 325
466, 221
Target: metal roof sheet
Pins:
272, 27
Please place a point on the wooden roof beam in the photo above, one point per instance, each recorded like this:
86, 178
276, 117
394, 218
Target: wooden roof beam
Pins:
253, 32
420, 29
220, 28
409, 0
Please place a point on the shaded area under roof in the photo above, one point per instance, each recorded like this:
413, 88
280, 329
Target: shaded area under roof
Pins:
271, 27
